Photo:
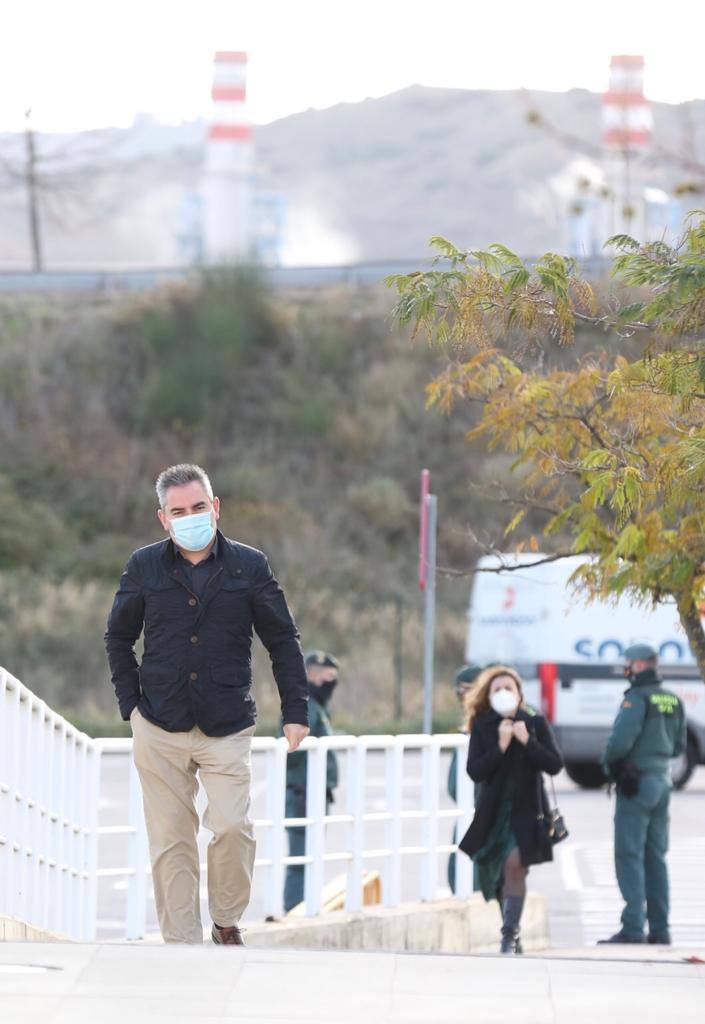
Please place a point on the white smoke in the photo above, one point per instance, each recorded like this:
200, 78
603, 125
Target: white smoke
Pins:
310, 242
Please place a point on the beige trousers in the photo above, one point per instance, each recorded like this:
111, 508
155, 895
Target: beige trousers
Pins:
167, 763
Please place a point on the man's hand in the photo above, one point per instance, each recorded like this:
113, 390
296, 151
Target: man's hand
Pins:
295, 735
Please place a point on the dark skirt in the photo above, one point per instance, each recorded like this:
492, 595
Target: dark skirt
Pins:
490, 859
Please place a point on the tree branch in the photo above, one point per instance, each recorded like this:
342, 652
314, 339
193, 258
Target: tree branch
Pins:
504, 568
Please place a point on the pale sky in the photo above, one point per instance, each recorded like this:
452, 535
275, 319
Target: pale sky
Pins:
94, 63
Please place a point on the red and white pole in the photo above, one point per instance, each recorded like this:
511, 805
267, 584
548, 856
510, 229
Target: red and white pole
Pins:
227, 221
626, 115
427, 583
423, 530
626, 132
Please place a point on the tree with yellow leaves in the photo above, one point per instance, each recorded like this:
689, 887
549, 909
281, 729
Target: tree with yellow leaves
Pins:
611, 449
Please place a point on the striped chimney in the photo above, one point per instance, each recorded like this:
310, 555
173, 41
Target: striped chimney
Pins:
626, 116
227, 228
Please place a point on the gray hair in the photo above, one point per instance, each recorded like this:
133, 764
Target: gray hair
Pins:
177, 476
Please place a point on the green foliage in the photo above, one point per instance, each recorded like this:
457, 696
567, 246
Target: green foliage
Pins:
51, 639
25, 526
487, 297
611, 448
190, 350
382, 504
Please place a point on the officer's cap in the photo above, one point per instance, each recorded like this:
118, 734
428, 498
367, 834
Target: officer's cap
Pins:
322, 659
467, 674
640, 652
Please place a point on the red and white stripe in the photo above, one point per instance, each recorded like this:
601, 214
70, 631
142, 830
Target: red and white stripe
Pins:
229, 95
626, 115
227, 186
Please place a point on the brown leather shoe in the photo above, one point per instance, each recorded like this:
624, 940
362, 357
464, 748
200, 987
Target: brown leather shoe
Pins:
227, 936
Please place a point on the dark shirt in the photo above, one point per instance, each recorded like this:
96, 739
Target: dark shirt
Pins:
198, 576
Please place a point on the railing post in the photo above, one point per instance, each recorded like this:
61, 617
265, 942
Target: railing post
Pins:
55, 825
394, 778
24, 813
33, 778
316, 831
276, 809
70, 909
465, 797
136, 916
80, 817
95, 764
6, 796
356, 807
47, 731
429, 765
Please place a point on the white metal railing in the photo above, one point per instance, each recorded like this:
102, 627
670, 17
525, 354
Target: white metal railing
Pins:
272, 844
51, 838
49, 775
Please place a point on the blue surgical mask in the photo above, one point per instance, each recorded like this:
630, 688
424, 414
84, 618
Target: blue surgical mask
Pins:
193, 533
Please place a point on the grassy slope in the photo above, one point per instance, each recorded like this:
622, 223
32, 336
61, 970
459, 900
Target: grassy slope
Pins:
309, 412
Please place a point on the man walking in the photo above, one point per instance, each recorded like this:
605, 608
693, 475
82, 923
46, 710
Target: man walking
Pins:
198, 596
649, 730
322, 673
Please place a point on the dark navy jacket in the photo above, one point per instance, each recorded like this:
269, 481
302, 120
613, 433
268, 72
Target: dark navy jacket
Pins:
196, 666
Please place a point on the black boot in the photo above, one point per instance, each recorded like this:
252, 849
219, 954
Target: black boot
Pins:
512, 907
622, 938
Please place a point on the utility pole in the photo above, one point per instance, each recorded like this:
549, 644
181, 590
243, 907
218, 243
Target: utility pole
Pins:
398, 656
427, 584
32, 194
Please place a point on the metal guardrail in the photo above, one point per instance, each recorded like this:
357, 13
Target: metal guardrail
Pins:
146, 279
271, 830
50, 836
49, 775
111, 282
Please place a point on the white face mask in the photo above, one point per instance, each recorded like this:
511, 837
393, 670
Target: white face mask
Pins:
504, 702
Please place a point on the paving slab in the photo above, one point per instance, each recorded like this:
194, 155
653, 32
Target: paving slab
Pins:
66, 983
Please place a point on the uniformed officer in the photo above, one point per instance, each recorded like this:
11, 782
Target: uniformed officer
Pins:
322, 673
649, 730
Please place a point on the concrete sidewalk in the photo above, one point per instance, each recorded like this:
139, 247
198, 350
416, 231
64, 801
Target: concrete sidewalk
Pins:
57, 983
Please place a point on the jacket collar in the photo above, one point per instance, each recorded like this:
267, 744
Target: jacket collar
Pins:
226, 551
491, 717
649, 677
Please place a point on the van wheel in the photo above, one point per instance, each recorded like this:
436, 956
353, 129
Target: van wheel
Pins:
589, 776
683, 767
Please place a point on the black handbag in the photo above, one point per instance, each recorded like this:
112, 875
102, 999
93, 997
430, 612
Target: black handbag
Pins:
550, 820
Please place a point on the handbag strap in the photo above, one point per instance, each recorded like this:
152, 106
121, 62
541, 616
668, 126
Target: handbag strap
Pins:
539, 794
540, 791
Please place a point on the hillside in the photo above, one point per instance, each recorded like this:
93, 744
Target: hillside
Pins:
362, 181
309, 415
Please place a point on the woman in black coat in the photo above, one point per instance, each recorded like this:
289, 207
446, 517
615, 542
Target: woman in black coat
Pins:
510, 745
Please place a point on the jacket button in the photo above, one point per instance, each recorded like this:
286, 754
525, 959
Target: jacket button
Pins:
192, 601
194, 639
193, 676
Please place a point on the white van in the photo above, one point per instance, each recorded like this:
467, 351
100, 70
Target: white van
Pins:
571, 655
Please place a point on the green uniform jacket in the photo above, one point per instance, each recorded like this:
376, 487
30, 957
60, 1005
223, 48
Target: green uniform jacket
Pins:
650, 727
296, 763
